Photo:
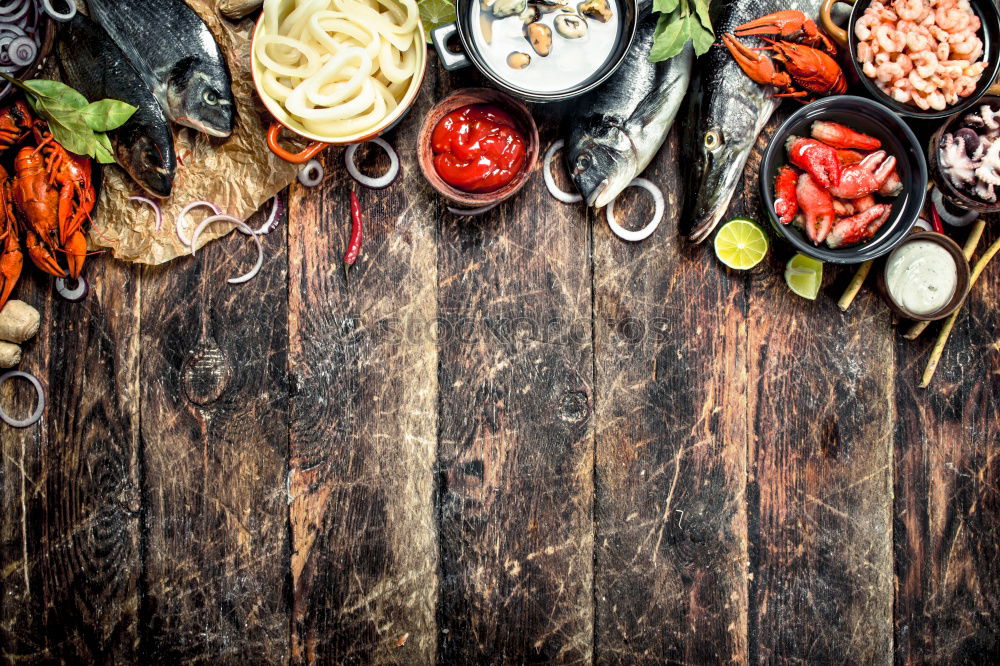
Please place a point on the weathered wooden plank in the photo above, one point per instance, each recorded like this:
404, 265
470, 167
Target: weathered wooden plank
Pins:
516, 457
820, 477
670, 423
363, 426
22, 465
214, 432
947, 509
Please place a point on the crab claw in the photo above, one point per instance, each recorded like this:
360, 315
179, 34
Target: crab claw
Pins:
859, 228
758, 67
865, 177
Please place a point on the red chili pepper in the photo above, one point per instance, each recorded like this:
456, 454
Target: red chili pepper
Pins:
936, 219
354, 245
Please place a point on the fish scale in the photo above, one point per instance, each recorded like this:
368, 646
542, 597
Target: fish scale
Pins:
726, 114
93, 64
177, 56
622, 124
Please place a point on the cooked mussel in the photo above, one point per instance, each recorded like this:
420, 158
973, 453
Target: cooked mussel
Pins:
518, 60
599, 10
530, 14
547, 6
540, 37
570, 26
502, 8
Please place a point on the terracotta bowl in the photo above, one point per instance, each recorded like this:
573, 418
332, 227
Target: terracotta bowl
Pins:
464, 97
961, 288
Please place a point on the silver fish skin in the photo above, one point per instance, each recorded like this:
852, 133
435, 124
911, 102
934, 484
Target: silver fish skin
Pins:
178, 58
727, 111
622, 124
92, 63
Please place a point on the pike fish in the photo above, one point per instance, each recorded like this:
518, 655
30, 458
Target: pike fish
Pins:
177, 56
622, 124
727, 112
92, 63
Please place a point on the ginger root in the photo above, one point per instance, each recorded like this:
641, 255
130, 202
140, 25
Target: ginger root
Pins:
18, 322
10, 355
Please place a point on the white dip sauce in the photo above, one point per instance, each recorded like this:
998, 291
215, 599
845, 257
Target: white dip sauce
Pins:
921, 276
570, 61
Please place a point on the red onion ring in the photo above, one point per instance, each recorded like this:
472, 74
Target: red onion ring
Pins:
183, 214
312, 166
22, 51
62, 17
271, 223
921, 223
35, 415
550, 181
643, 233
155, 206
245, 228
76, 294
384, 180
937, 200
471, 212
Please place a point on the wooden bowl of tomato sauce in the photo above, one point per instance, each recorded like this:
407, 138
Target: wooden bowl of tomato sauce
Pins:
509, 111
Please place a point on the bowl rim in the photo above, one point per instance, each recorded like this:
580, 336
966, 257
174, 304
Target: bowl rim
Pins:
472, 52
484, 96
854, 254
980, 7
279, 115
962, 285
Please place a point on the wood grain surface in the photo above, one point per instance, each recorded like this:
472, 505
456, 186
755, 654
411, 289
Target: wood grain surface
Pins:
502, 439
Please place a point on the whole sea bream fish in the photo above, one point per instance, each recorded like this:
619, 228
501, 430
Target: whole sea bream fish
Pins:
727, 113
93, 64
177, 56
622, 124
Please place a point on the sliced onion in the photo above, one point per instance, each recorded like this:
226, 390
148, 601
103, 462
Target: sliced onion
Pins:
245, 228
35, 415
471, 212
639, 235
550, 181
74, 295
271, 223
375, 183
22, 51
182, 216
923, 224
311, 173
954, 220
60, 16
155, 206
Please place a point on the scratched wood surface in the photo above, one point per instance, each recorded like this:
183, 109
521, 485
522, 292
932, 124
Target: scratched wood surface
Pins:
500, 440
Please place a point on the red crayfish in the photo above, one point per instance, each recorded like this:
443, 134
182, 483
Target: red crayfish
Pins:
809, 68
48, 198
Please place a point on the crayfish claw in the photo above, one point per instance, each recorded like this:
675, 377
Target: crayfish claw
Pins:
76, 253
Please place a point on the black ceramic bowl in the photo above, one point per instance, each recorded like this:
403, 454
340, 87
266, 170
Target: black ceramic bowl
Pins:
897, 139
989, 16
470, 55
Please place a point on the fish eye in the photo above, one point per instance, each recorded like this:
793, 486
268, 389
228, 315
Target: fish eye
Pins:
210, 97
582, 163
713, 139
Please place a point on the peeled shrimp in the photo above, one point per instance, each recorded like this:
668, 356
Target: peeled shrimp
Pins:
911, 10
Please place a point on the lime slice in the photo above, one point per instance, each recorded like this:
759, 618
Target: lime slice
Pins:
740, 244
435, 13
804, 275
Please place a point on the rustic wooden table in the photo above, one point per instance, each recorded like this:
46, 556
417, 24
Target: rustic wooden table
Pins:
507, 439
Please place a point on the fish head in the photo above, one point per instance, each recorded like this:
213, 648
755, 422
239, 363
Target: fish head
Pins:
722, 134
199, 96
601, 161
146, 163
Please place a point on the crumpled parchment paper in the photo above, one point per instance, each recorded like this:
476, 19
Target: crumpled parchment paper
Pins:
238, 174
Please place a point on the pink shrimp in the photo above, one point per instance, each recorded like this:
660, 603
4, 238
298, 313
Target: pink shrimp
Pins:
910, 10
889, 38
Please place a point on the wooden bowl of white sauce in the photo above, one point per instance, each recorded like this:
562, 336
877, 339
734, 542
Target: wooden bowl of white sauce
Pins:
926, 278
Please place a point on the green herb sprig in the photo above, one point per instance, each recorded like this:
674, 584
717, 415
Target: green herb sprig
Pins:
681, 21
79, 126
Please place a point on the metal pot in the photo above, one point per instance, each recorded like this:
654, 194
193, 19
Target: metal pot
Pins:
470, 54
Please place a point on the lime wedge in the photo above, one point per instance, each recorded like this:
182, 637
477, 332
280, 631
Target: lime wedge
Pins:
740, 244
804, 275
435, 13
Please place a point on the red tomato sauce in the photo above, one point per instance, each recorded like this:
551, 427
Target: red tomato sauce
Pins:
478, 148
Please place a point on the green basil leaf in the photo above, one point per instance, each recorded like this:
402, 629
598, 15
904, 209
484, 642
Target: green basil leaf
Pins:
665, 6
57, 91
104, 153
701, 38
106, 114
672, 33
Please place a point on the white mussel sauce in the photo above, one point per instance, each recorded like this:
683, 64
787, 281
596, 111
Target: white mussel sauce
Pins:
570, 61
921, 276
